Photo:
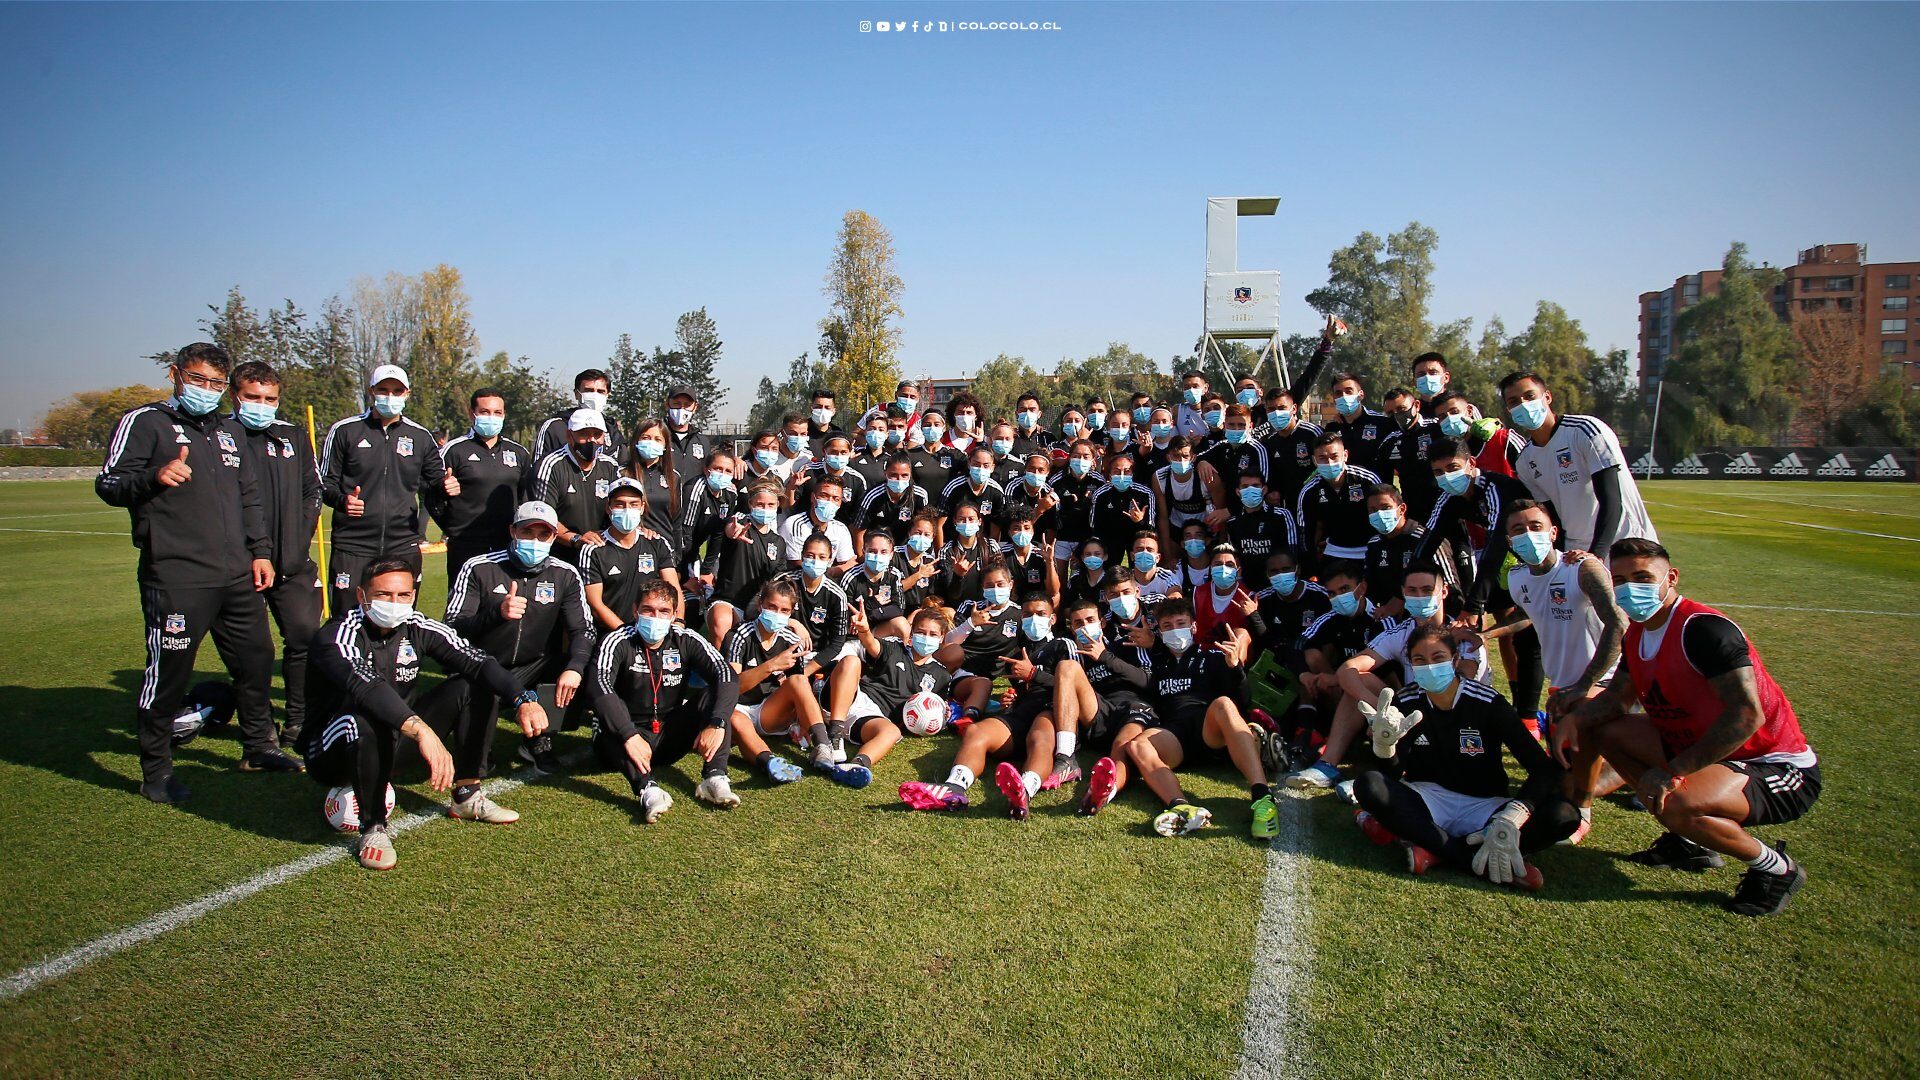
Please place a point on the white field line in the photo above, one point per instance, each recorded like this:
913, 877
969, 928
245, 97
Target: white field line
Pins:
1781, 500
75, 513
35, 975
1821, 610
1800, 524
1272, 1043
66, 532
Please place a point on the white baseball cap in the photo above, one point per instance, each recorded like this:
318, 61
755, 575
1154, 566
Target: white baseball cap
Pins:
583, 419
536, 511
389, 371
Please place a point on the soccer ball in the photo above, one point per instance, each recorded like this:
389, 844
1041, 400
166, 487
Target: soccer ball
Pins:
925, 714
343, 809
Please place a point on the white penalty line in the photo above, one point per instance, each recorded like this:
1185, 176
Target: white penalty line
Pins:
1801, 524
36, 975
1271, 1042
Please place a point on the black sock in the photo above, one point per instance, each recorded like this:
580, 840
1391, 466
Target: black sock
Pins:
1259, 792
862, 760
970, 713
840, 730
463, 792
818, 732
762, 758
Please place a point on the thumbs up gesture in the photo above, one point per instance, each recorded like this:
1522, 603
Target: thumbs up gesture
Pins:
355, 507
514, 605
175, 472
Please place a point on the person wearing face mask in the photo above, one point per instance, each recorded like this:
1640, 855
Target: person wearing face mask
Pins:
836, 461
1180, 493
1574, 462
1030, 492
1214, 411
1196, 722
876, 587
1192, 565
821, 516
709, 498
633, 555
934, 462
1246, 391
373, 468
751, 554
1296, 392
365, 677
1073, 429
964, 557
1364, 430
1236, 453
1120, 507
1022, 732
1396, 547
892, 504
1147, 570
1033, 573
796, 450
1029, 436
1191, 420
1289, 605
1331, 509
486, 473
762, 464
1222, 601
966, 428
197, 517
662, 692
1363, 676
1431, 380
766, 653
1099, 696
688, 447
528, 611
1403, 456
1097, 415
1443, 792
1139, 408
871, 453
1330, 641
918, 562
976, 488
986, 631
575, 480
1074, 488
823, 615
289, 481
590, 391
1007, 468
1717, 750
1089, 577
1288, 439
1260, 530
1151, 441
1129, 616
868, 693
654, 468
820, 426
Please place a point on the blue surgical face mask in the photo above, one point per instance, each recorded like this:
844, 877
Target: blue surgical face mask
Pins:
813, 566
825, 509
763, 515
1142, 414
1119, 436
679, 417
1251, 497
1422, 607
1036, 627
967, 529
1094, 562
876, 438
1639, 599
1383, 521
919, 543
925, 644
1192, 395
387, 614
1126, 605
796, 444
1096, 421
1088, 634
997, 594
766, 458
837, 462
1179, 640
1145, 561
1069, 428
979, 474
1529, 415
1002, 447
895, 436
1235, 436
823, 417
626, 519
649, 449
1286, 580
1248, 396
772, 621
1456, 482
877, 562
1029, 419
197, 400
1194, 547
486, 426
257, 416
931, 433
1347, 404
1121, 481
910, 405
1023, 538
1453, 425
1079, 467
1434, 678
1279, 418
719, 481
1431, 384
531, 552
1330, 470
653, 628
1531, 547
1346, 603
899, 484
1224, 576
391, 405
1215, 417
1162, 431
1182, 467
1036, 481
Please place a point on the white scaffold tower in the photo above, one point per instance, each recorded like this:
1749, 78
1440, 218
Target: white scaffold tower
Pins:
1241, 305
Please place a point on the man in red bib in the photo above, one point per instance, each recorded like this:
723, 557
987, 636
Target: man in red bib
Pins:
1718, 749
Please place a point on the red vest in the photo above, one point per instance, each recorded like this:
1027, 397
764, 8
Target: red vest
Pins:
1206, 621
1682, 703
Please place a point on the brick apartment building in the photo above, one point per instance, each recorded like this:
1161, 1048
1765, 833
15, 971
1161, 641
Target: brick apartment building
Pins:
1828, 279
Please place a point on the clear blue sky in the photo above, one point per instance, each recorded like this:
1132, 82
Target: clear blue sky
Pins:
599, 169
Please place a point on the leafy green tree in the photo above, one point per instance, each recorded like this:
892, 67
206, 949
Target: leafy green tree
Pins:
1737, 361
1555, 347
776, 400
1117, 372
85, 421
530, 396
1000, 382
697, 350
863, 290
1381, 289
1890, 416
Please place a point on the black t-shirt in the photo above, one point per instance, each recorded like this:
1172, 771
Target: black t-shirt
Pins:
1459, 748
997, 639
1340, 637
893, 677
746, 564
1403, 463
1363, 435
744, 649
1193, 678
990, 500
1390, 557
620, 571
1335, 511
1289, 460
1714, 645
883, 598
853, 492
932, 470
916, 594
1288, 618
1074, 514
956, 587
1030, 573
880, 511
1256, 534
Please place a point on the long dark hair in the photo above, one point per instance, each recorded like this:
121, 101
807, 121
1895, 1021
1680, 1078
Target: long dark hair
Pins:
666, 461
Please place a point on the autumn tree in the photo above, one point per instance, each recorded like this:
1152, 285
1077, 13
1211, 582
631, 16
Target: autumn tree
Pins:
863, 290
1837, 360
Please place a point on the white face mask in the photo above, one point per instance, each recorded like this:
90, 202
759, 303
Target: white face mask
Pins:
593, 399
387, 614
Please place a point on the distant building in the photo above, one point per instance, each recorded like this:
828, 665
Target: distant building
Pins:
937, 392
1827, 279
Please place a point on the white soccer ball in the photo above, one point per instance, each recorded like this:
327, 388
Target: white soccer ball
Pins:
343, 809
925, 714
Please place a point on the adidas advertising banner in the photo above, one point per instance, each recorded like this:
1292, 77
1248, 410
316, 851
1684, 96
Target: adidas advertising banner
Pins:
1781, 463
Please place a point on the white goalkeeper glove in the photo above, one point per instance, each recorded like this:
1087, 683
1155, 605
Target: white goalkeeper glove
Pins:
1387, 724
1499, 842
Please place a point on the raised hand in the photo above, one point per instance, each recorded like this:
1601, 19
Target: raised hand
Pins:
514, 605
450, 483
1021, 669
355, 507
175, 472
1136, 511
857, 621
1387, 723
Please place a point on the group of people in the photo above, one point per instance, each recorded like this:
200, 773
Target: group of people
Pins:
1143, 587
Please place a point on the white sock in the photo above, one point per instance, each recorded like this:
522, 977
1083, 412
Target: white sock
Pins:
1770, 861
961, 777
1586, 814
1031, 781
1064, 742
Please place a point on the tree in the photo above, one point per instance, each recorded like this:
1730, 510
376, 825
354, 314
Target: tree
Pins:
1380, 288
1613, 396
1837, 357
778, 399
863, 290
1890, 416
1555, 347
1115, 373
1737, 363
1000, 382
85, 421
697, 357
531, 396
439, 362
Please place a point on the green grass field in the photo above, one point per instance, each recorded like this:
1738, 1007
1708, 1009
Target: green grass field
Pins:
821, 932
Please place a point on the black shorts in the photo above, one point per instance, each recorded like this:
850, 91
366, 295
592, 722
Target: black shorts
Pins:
1776, 791
1020, 718
1110, 715
1187, 722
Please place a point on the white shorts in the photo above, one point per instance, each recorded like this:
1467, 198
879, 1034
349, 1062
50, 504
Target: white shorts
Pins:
1454, 813
752, 712
863, 709
1064, 549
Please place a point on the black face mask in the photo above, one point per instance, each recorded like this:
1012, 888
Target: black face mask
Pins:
587, 452
1404, 419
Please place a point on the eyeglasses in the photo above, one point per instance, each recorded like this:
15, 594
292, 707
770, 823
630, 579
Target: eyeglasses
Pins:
202, 381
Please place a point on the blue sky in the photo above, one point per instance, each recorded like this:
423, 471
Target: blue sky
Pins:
599, 169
